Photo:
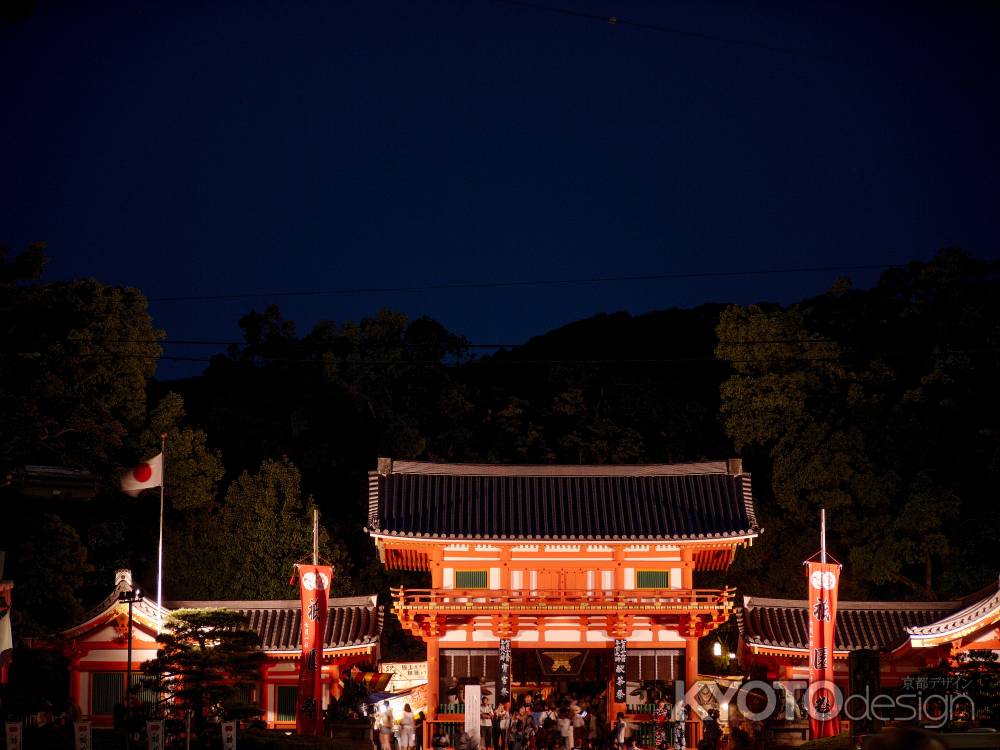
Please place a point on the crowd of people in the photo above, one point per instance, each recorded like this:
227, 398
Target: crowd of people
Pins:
568, 722
560, 722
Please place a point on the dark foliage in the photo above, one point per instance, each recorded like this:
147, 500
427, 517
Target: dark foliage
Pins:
207, 656
878, 404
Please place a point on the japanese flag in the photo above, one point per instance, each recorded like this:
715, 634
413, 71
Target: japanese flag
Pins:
142, 477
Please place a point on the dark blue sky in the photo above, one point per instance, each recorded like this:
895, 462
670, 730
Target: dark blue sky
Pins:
242, 147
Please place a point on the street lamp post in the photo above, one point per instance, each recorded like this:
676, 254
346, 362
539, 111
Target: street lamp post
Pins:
131, 597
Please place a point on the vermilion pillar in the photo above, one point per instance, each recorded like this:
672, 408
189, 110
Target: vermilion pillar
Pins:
433, 686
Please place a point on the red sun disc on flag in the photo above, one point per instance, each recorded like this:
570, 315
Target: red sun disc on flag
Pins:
142, 472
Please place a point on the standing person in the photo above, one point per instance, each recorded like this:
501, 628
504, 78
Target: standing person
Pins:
661, 714
618, 731
386, 722
680, 729
565, 724
501, 726
407, 729
485, 724
578, 717
711, 729
538, 714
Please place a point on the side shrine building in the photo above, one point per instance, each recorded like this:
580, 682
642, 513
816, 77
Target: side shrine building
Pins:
97, 649
559, 577
901, 637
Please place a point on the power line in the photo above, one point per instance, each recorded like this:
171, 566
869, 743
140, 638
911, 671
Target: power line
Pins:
616, 21
547, 362
523, 283
209, 342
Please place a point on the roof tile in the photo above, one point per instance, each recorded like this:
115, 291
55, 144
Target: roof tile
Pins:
784, 623
678, 501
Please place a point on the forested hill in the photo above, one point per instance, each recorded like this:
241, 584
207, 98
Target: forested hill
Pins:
879, 404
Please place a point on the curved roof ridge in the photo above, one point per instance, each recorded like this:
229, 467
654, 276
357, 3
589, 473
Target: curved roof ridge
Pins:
759, 601
552, 470
983, 608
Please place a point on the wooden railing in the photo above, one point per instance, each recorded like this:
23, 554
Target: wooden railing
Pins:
524, 600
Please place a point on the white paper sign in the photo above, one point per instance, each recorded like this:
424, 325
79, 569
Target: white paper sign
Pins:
473, 697
15, 730
82, 735
154, 734
229, 735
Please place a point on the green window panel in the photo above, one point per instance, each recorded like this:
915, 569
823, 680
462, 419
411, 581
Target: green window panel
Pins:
286, 695
144, 689
107, 689
652, 579
471, 579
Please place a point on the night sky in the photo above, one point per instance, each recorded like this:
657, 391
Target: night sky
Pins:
222, 148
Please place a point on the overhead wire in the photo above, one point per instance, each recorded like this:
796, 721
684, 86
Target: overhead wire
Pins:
514, 362
618, 21
491, 284
204, 342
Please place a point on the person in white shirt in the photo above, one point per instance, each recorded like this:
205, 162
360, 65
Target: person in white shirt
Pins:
407, 726
565, 725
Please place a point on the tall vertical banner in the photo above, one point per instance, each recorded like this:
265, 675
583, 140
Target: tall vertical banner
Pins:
14, 733
82, 735
314, 586
824, 711
503, 689
621, 655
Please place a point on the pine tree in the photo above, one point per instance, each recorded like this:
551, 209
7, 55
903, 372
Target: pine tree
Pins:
208, 655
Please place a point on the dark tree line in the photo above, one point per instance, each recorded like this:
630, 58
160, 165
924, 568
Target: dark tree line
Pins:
878, 404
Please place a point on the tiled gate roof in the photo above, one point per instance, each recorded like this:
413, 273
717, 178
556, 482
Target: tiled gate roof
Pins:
660, 501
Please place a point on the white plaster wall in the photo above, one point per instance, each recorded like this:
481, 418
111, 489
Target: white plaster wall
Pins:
517, 579
526, 635
107, 654
562, 635
84, 682
675, 578
607, 580
629, 578
448, 578
494, 578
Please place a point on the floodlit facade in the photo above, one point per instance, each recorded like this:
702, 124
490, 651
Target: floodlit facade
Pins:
561, 568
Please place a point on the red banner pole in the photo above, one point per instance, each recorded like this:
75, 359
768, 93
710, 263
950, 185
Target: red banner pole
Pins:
314, 583
823, 580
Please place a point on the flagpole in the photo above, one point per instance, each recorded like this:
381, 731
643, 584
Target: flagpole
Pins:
822, 535
315, 535
159, 563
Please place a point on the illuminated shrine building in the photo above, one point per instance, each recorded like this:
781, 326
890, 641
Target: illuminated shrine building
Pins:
901, 637
97, 647
560, 564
